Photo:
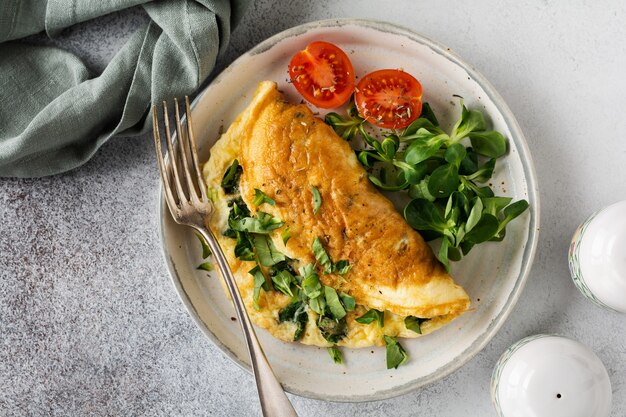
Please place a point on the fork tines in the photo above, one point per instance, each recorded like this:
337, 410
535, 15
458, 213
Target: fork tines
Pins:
193, 190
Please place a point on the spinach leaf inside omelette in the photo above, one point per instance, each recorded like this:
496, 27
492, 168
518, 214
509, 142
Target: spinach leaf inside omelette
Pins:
319, 255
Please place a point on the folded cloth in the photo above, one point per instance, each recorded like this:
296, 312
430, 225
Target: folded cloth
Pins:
54, 115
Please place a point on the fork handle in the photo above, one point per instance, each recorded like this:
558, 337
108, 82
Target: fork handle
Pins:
274, 401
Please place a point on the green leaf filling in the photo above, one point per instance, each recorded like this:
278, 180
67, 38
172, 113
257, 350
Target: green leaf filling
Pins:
244, 249
295, 313
332, 330
414, 323
261, 198
230, 181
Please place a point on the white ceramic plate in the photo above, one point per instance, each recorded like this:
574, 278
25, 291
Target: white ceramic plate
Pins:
493, 274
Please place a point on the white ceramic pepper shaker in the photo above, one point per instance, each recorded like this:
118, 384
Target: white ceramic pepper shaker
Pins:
550, 376
597, 257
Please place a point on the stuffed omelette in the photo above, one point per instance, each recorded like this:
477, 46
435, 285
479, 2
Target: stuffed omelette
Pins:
319, 255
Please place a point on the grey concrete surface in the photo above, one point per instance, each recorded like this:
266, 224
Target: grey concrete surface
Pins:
91, 325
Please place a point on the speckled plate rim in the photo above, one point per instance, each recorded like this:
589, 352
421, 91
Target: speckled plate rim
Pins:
529, 172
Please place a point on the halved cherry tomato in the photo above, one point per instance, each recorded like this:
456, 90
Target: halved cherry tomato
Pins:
389, 98
323, 74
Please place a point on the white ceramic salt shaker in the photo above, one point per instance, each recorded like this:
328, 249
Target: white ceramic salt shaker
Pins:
597, 257
550, 376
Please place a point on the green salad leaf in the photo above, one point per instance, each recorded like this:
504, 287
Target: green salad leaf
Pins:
347, 127
470, 121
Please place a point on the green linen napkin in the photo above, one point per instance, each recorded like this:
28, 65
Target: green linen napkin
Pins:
54, 115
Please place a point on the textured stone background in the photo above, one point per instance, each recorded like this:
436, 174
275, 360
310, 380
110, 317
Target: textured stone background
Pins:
90, 324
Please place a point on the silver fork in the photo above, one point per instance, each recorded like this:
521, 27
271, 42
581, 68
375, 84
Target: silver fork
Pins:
192, 209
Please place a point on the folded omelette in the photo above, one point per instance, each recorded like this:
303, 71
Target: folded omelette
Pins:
281, 171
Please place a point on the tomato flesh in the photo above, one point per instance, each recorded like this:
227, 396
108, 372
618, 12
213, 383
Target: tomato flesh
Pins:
389, 98
323, 74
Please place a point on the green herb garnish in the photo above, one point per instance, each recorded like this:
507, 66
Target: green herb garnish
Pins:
311, 285
414, 323
205, 266
396, 355
333, 303
212, 194
286, 235
259, 282
312, 289
261, 198
282, 282
342, 267
348, 302
263, 223
317, 199
266, 251
206, 251
322, 256
318, 304
371, 316
283, 266
336, 355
